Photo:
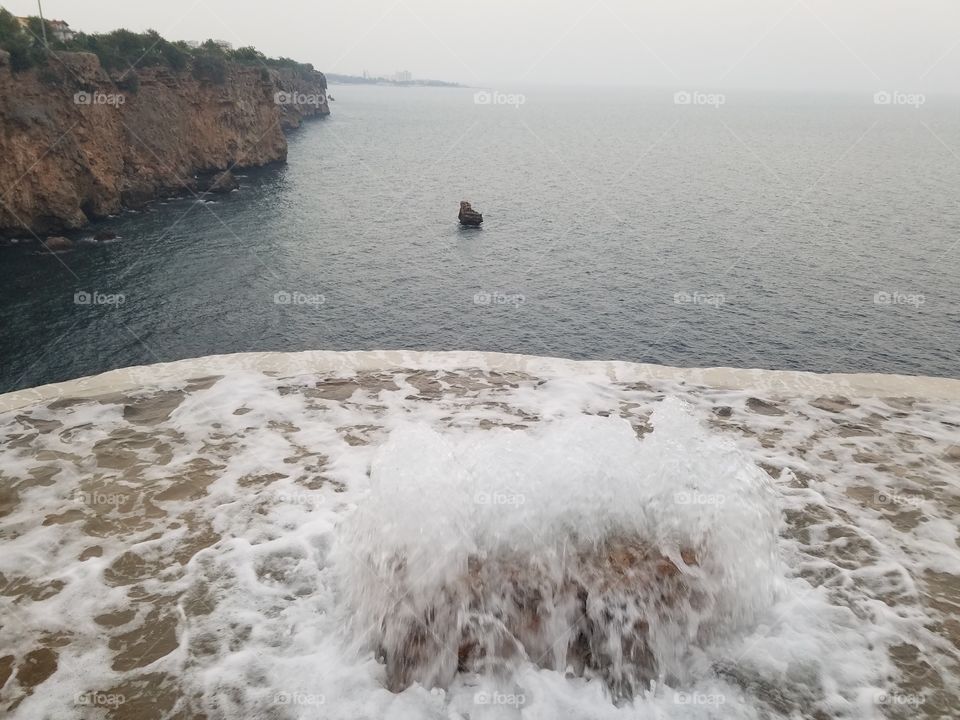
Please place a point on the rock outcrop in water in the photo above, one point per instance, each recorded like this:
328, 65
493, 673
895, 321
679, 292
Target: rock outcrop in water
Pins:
78, 144
58, 242
468, 216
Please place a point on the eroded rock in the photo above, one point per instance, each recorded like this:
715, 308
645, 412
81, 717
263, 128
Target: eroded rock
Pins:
468, 216
56, 243
594, 617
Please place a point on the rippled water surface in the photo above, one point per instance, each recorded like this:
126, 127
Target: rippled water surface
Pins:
618, 225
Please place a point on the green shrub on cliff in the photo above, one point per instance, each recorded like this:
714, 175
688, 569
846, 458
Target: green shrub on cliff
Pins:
175, 55
8, 24
123, 49
210, 67
248, 56
120, 51
117, 50
285, 62
25, 50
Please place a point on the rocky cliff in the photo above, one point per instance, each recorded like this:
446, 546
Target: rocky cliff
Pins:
76, 146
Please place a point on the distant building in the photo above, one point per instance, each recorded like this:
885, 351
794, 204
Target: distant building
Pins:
193, 44
223, 44
61, 31
403, 76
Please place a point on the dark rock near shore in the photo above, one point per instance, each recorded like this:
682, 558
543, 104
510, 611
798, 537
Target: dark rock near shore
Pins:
101, 236
58, 242
137, 198
217, 182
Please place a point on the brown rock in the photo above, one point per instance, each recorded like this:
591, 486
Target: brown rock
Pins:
299, 95
9, 500
57, 243
106, 235
217, 182
83, 67
6, 669
762, 407
834, 405
605, 597
36, 667
137, 198
468, 216
125, 154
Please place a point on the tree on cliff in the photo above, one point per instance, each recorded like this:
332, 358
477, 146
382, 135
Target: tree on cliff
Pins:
25, 49
122, 51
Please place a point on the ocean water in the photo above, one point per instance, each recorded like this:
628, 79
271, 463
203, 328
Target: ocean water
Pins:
775, 231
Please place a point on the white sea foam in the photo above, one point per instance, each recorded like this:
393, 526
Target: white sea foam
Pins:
262, 518
543, 499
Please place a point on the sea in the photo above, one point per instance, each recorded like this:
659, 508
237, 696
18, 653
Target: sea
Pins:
691, 228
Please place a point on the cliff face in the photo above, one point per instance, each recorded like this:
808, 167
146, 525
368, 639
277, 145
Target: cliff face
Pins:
74, 146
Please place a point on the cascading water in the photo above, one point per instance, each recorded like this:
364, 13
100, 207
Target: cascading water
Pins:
223, 529
574, 547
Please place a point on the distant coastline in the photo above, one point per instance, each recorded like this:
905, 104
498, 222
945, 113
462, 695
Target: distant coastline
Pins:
336, 79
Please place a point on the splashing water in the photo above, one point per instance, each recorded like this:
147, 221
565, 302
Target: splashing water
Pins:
574, 547
562, 570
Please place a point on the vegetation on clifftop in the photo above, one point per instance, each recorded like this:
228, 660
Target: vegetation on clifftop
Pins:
121, 51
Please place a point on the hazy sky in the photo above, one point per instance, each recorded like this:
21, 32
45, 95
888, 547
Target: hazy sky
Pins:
906, 45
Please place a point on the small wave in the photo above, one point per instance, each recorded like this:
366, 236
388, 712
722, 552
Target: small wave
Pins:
571, 546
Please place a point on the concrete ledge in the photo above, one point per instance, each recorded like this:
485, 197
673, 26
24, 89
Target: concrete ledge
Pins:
776, 382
